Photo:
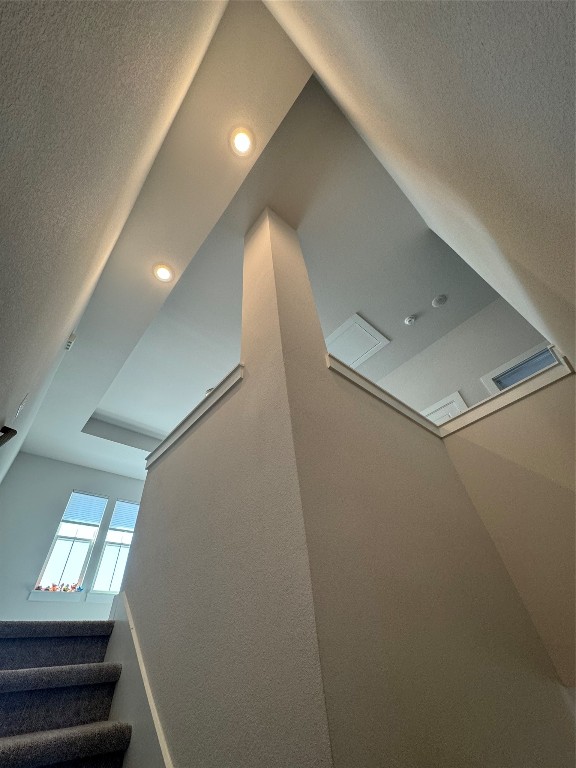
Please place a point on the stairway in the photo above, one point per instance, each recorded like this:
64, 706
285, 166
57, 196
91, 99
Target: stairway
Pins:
55, 696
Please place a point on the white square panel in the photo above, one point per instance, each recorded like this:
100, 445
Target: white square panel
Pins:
355, 341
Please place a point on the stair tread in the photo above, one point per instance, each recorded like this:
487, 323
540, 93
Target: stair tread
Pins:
21, 629
43, 748
34, 678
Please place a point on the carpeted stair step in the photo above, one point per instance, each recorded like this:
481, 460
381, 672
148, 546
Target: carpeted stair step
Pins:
113, 760
97, 745
44, 698
26, 644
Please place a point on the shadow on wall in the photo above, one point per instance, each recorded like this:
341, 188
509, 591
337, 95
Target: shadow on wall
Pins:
527, 506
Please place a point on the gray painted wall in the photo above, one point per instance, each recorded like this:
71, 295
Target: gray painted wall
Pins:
219, 583
429, 658
456, 361
527, 452
130, 703
33, 497
299, 483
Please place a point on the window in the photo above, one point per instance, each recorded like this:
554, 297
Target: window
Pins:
519, 369
116, 548
68, 557
523, 370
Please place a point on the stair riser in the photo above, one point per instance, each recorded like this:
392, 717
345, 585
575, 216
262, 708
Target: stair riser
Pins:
45, 709
27, 652
99, 761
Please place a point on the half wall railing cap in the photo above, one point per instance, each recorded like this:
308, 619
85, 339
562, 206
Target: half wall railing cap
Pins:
222, 388
381, 394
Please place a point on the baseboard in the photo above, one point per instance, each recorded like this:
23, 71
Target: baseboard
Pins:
133, 699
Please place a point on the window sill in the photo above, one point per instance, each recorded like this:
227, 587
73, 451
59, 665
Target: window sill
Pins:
72, 597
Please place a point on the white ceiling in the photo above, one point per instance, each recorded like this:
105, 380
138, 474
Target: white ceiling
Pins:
87, 93
468, 105
366, 248
251, 75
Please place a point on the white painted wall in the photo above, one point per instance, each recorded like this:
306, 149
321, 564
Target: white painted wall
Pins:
33, 497
456, 362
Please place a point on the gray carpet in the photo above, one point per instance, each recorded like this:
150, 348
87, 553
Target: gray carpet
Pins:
52, 643
55, 696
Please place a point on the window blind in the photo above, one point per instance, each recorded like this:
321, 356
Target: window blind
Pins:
85, 509
124, 516
526, 368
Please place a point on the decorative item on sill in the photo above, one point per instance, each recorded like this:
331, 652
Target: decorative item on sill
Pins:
60, 588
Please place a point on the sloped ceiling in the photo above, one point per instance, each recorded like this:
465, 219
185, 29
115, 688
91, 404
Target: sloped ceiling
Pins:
250, 75
87, 93
366, 248
470, 106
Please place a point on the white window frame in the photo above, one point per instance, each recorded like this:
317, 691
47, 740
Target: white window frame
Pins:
488, 379
103, 543
67, 538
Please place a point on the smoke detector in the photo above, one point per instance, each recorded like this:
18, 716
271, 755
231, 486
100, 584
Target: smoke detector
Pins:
440, 300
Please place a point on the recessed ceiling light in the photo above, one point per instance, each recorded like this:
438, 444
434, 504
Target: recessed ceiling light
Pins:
411, 319
163, 273
241, 141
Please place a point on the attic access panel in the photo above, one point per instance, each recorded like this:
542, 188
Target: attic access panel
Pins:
355, 341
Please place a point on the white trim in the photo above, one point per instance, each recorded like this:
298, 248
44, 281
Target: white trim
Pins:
488, 378
380, 340
221, 389
373, 389
454, 399
96, 596
39, 596
144, 675
508, 396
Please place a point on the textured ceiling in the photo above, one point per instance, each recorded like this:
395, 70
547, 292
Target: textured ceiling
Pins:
470, 106
367, 250
250, 74
87, 93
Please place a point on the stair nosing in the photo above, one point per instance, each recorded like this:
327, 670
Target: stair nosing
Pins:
36, 629
62, 676
25, 749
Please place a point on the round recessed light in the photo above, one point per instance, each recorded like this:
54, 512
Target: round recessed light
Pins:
241, 141
411, 319
163, 273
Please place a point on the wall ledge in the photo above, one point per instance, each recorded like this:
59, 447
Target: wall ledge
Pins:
497, 402
220, 390
475, 413
380, 394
